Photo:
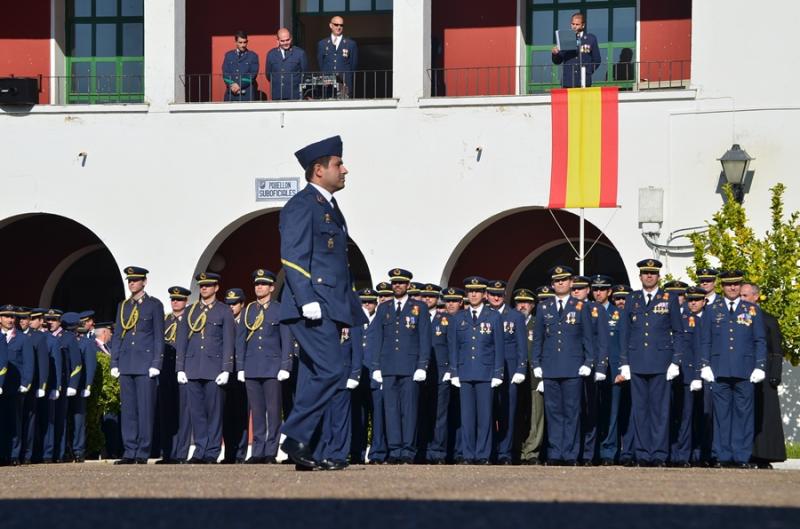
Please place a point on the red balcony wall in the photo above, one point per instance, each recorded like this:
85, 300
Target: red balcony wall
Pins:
25, 42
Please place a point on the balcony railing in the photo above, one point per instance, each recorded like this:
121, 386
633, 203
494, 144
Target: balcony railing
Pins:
363, 84
534, 79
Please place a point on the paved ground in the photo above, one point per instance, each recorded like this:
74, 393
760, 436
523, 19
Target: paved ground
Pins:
395, 497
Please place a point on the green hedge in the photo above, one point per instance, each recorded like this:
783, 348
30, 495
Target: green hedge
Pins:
103, 399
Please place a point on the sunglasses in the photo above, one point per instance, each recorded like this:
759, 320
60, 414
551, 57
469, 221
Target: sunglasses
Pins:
337, 25
595, 289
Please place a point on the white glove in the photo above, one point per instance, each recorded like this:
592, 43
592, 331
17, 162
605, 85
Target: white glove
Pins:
114, 372
420, 375
599, 377
706, 374
222, 378
312, 311
182, 378
153, 372
625, 371
283, 375
757, 376
496, 382
40, 393
518, 378
537, 372
1, 390
673, 371
54, 394
540, 387
446, 377
24, 389
71, 392
455, 382
352, 384
86, 393
696, 385
377, 377
584, 371
240, 376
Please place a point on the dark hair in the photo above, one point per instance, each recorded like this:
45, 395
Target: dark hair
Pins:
241, 34
579, 14
323, 161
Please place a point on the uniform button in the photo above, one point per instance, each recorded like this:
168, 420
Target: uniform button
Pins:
558, 349
645, 344
474, 338
319, 280
259, 347
559, 332
397, 340
730, 330
731, 338
133, 343
473, 348
260, 337
731, 348
646, 334
396, 348
473, 357
133, 333
202, 347
646, 324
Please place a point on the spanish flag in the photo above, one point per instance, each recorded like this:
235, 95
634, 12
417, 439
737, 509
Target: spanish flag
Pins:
585, 138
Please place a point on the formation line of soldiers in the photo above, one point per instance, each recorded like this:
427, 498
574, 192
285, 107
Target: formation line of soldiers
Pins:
652, 377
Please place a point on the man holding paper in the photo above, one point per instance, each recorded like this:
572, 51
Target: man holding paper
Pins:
580, 56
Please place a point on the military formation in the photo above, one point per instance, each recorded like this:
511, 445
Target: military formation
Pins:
576, 372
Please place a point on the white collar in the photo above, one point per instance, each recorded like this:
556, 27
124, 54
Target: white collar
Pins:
650, 292
501, 308
734, 301
402, 302
563, 299
324, 192
369, 316
711, 297
477, 310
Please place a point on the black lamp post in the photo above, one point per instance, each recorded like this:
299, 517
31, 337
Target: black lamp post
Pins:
735, 163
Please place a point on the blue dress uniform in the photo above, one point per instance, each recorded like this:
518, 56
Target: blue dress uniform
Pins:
733, 346
19, 374
437, 389
205, 350
648, 349
262, 351
362, 337
589, 56
173, 402
137, 347
361, 396
334, 444
476, 344
625, 409
72, 377
562, 344
683, 435
285, 72
515, 361
314, 255
235, 411
35, 411
77, 404
608, 393
341, 60
240, 68
54, 417
402, 348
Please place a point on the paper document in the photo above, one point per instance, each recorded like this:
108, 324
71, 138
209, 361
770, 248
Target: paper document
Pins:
566, 40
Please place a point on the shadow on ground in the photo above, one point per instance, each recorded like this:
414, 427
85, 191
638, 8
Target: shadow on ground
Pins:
382, 514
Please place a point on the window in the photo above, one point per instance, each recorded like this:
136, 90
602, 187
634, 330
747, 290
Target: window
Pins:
342, 6
613, 22
105, 51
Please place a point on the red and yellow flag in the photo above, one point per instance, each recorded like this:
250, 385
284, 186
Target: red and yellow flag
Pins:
585, 140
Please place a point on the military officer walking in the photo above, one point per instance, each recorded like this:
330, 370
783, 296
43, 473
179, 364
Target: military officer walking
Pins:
650, 359
402, 349
262, 358
733, 356
137, 351
205, 359
563, 353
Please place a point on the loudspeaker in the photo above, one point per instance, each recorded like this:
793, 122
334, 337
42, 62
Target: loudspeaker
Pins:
19, 90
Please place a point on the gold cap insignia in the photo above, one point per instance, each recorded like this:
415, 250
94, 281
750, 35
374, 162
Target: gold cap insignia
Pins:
498, 284
202, 276
451, 291
260, 273
559, 270
129, 270
650, 262
396, 271
545, 290
232, 294
175, 291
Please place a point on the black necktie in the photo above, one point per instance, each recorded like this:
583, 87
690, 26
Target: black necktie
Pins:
649, 299
560, 307
474, 317
730, 307
399, 308
338, 212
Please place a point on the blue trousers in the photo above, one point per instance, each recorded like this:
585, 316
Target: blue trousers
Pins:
264, 396
589, 410
206, 400
12, 403
54, 443
334, 443
562, 407
43, 407
360, 405
476, 420
235, 420
608, 405
733, 419
138, 399
30, 431
703, 447
681, 438
625, 424
505, 405
455, 444
436, 448
378, 449
650, 399
400, 398
318, 376
76, 411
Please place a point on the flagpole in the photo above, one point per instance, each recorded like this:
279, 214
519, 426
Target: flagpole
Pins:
581, 254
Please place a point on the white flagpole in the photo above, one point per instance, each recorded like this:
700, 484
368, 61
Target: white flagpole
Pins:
581, 253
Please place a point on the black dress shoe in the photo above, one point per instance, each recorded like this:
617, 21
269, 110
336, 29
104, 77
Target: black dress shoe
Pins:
141, 460
269, 460
13, 462
464, 462
630, 463
393, 460
298, 452
25, 462
504, 461
742, 466
376, 462
255, 460
570, 463
406, 460
607, 462
211, 460
167, 461
554, 463
764, 466
336, 465
482, 461
125, 461
196, 461
587, 463
79, 459
658, 464
532, 461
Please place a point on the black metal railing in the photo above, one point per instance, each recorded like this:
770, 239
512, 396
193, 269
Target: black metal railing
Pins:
297, 86
533, 79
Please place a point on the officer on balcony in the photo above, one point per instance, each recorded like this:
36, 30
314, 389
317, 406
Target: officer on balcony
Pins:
239, 71
587, 56
285, 67
338, 54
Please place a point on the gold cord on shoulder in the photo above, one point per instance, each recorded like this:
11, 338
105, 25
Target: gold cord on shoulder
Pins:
259, 321
199, 324
133, 318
